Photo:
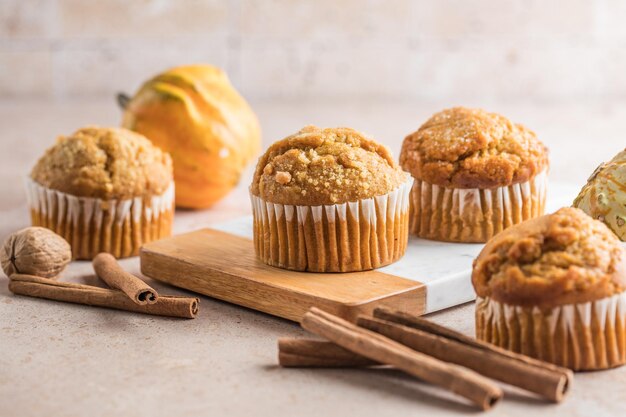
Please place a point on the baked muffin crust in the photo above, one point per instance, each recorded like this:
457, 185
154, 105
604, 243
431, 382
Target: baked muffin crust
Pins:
325, 166
106, 163
471, 148
561, 258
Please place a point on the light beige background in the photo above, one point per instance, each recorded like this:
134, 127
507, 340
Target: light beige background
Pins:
489, 49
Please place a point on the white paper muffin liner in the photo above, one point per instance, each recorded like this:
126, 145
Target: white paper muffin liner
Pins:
353, 236
584, 336
93, 225
474, 214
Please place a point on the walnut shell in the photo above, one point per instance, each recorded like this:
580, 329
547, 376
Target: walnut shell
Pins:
35, 251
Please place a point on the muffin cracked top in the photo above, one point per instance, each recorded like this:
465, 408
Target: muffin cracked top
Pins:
106, 163
561, 258
470, 148
325, 166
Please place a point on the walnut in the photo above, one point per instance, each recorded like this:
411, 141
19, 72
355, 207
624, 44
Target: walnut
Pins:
35, 251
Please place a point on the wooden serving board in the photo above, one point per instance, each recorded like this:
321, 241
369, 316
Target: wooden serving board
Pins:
220, 262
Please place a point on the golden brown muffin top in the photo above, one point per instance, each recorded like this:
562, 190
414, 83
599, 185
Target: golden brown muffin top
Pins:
470, 148
106, 163
325, 166
561, 258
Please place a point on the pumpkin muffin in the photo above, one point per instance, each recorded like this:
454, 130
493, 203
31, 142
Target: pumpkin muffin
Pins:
553, 288
476, 173
329, 200
103, 190
604, 196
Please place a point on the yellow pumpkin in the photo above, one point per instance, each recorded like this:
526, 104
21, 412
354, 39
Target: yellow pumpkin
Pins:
195, 114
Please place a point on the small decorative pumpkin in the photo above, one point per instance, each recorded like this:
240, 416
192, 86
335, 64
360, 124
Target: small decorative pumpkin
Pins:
195, 114
604, 198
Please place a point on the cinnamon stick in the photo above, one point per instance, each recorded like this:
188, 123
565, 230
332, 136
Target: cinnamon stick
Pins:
558, 386
318, 354
420, 323
171, 306
290, 360
462, 381
543, 381
111, 272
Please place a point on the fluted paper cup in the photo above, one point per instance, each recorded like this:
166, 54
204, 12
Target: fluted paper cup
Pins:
93, 225
584, 336
353, 236
474, 214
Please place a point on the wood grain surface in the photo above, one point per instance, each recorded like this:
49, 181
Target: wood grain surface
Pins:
224, 266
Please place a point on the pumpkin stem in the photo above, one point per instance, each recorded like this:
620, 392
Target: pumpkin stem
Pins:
122, 100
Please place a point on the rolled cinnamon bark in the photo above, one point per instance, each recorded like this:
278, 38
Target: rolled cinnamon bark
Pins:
541, 380
111, 272
420, 323
290, 360
462, 381
317, 354
170, 306
545, 379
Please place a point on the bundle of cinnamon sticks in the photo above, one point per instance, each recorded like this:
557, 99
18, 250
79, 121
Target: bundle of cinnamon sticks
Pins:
421, 348
127, 292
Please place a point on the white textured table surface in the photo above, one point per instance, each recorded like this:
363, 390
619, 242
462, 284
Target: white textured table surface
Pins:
63, 359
